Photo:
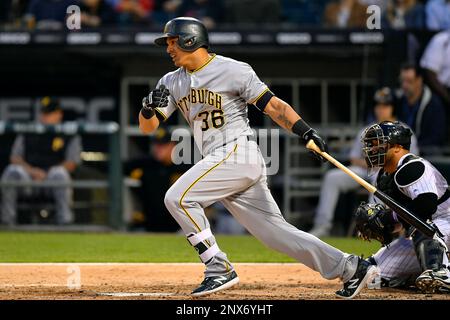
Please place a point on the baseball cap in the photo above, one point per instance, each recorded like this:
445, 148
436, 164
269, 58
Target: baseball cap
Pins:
49, 104
383, 96
161, 135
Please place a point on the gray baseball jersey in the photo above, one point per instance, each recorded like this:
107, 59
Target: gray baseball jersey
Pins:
213, 99
215, 109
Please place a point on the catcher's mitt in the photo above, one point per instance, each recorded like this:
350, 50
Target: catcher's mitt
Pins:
375, 221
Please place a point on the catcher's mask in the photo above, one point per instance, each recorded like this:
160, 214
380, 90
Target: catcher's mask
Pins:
378, 138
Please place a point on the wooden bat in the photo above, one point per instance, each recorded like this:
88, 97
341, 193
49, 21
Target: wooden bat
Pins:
391, 203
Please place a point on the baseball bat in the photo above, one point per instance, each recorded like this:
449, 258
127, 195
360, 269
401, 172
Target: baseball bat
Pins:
406, 215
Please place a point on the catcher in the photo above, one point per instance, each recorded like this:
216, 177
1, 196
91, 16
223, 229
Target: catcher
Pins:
407, 256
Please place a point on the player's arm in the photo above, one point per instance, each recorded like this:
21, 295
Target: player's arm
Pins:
286, 117
148, 125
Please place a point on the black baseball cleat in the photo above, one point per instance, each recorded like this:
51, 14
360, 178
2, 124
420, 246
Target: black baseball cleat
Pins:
434, 281
365, 272
216, 283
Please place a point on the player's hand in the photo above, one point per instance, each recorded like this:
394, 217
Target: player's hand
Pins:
158, 98
314, 136
37, 174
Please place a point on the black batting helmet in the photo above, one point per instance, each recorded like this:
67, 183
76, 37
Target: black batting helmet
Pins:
378, 138
191, 33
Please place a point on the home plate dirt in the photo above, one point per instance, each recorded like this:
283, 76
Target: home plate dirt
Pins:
171, 281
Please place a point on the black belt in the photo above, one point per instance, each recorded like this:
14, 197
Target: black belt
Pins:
444, 197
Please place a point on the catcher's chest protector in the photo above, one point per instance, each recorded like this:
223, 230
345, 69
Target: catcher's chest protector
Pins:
386, 183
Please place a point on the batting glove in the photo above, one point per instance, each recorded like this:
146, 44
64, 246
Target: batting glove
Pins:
158, 98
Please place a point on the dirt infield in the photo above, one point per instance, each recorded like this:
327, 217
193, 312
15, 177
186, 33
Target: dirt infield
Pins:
171, 281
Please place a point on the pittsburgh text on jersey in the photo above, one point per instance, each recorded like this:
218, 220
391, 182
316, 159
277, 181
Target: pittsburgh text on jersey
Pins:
203, 96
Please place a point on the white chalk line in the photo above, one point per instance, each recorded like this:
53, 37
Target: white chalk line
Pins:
7, 264
135, 294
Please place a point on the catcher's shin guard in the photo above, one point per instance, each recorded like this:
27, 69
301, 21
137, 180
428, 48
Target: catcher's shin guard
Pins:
431, 253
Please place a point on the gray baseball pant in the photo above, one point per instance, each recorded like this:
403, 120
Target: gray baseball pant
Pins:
236, 175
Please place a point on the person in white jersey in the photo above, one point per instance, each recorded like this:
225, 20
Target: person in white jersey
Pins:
212, 93
336, 181
408, 257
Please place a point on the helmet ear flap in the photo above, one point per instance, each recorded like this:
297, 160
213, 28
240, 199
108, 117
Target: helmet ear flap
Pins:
187, 43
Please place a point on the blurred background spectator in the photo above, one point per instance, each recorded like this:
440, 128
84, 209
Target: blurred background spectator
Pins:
396, 14
401, 14
210, 12
253, 12
42, 157
438, 14
436, 64
345, 14
95, 13
165, 10
47, 14
133, 11
422, 110
303, 12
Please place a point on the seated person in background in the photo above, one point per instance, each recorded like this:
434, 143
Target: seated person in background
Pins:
157, 173
345, 14
436, 64
438, 14
96, 13
421, 110
402, 14
337, 181
42, 157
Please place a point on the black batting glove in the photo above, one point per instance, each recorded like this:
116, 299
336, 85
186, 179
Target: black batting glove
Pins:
307, 133
158, 98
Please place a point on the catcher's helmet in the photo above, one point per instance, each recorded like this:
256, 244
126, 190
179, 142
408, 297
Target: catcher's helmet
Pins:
378, 138
191, 33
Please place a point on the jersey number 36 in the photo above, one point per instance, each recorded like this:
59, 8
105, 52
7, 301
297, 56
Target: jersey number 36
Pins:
214, 118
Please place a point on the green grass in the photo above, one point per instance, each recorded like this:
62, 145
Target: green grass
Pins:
116, 247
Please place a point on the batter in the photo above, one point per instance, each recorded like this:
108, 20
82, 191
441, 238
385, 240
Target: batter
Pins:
212, 93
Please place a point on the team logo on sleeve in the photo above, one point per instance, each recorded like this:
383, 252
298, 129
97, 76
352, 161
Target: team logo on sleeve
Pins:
202, 96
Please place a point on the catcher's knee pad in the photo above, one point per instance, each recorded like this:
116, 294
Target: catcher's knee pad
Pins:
200, 243
430, 253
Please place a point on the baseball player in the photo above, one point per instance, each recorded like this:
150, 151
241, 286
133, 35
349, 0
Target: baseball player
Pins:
417, 185
212, 93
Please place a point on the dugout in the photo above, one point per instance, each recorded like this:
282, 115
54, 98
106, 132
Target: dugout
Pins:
101, 76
